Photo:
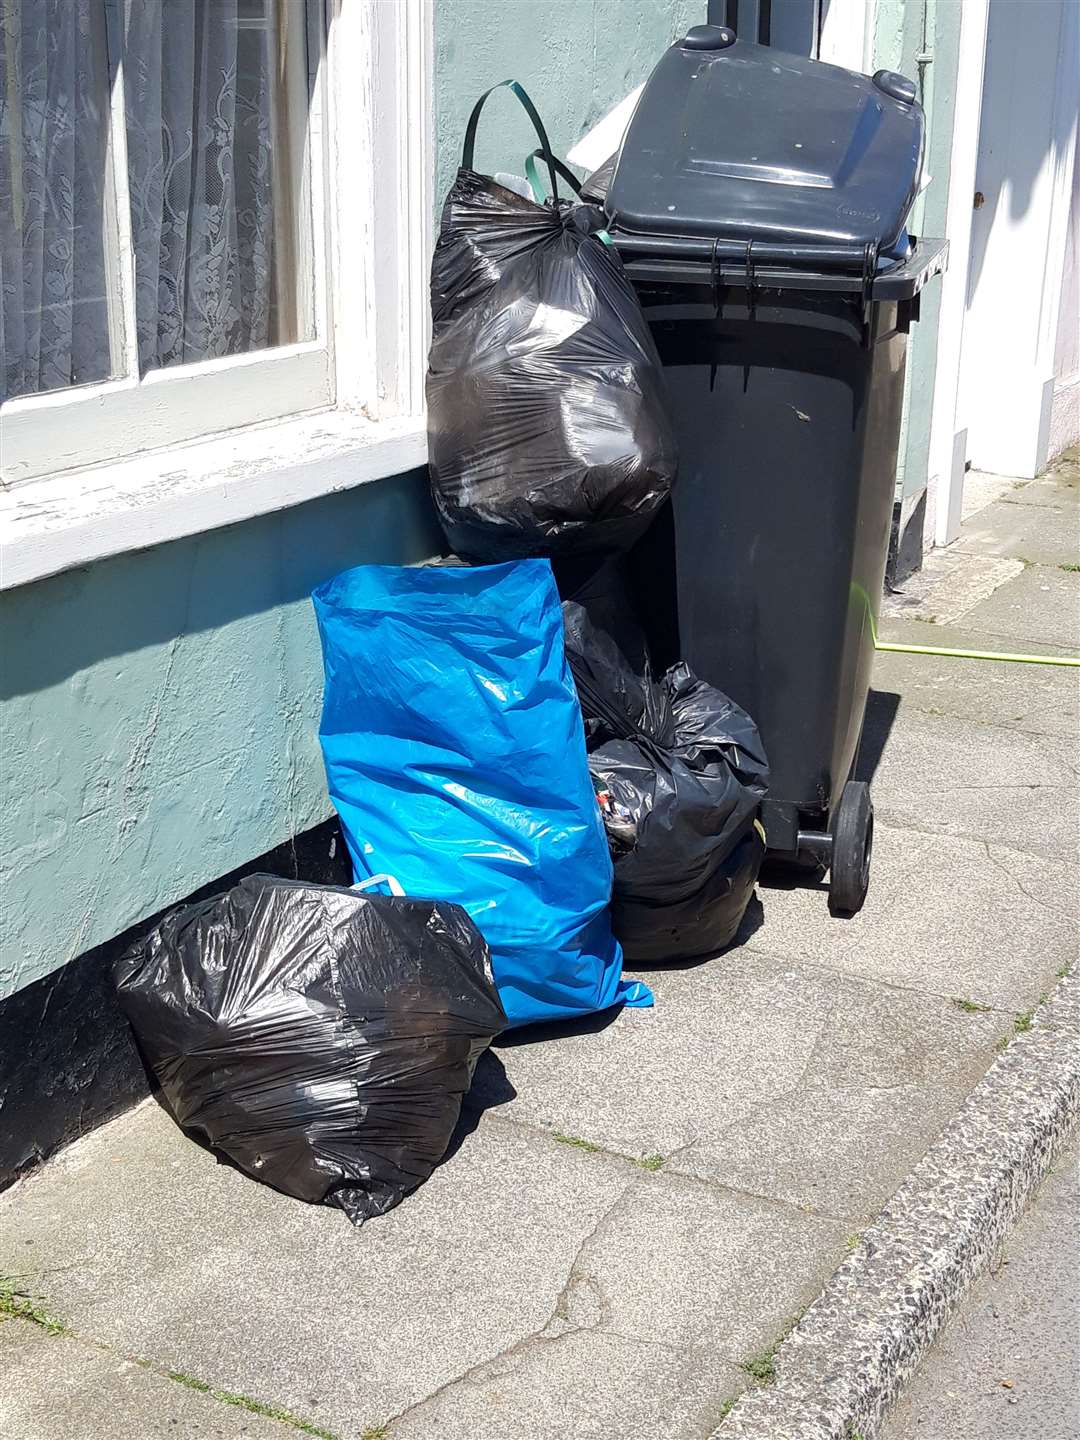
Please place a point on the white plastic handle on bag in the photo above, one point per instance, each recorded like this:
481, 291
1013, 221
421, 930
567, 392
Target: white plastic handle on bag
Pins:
391, 884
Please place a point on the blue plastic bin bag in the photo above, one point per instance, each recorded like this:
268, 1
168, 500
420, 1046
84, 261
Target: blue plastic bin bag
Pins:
455, 755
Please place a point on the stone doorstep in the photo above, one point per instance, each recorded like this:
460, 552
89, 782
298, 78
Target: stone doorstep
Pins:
844, 1363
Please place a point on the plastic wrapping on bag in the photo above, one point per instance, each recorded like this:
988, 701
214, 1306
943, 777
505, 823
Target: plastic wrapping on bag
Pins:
319, 1038
455, 756
596, 184
548, 431
679, 772
603, 586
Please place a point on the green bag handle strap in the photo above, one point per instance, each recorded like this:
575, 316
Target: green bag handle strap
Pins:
532, 174
468, 149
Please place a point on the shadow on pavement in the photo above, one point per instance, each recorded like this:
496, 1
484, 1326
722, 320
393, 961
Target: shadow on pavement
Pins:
491, 1087
881, 708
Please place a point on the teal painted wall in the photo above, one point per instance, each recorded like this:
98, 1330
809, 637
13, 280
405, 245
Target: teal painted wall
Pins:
159, 710
160, 714
905, 30
576, 58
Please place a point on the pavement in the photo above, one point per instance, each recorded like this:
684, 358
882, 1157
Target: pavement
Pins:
1007, 1367
637, 1210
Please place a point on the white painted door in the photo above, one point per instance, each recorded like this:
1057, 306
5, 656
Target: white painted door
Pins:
1031, 94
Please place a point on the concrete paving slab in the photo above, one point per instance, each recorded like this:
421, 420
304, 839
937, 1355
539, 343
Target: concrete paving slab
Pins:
888, 1070
139, 1239
676, 1261
1017, 529
1036, 534
729, 1078
655, 1317
981, 488
845, 1362
722, 1037
1040, 818
56, 1387
950, 584
950, 916
1008, 1361
955, 777
1060, 485
585, 1384
1043, 699
1041, 604
1059, 492
842, 1153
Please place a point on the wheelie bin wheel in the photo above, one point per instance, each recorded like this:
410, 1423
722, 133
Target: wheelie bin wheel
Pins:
853, 843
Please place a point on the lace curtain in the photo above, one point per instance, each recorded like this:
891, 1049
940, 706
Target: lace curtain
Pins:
198, 100
211, 217
53, 130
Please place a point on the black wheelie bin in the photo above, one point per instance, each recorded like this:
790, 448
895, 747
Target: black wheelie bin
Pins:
759, 203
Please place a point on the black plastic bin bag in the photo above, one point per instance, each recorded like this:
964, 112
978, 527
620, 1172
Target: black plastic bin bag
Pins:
320, 1038
679, 773
548, 431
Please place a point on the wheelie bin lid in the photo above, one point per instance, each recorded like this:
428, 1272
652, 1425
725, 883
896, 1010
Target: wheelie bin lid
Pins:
737, 143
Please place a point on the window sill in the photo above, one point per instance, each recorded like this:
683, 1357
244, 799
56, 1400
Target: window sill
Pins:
80, 516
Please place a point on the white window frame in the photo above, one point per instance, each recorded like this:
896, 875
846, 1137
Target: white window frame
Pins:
222, 440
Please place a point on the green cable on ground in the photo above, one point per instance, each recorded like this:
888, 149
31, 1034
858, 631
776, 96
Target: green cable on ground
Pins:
976, 654
863, 599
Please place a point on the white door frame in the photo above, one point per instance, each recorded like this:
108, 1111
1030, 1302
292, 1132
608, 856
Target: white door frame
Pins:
948, 441
1025, 164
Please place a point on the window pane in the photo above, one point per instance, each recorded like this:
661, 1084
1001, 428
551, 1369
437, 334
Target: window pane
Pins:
216, 95
54, 110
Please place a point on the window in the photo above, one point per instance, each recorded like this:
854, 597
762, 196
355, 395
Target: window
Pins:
191, 237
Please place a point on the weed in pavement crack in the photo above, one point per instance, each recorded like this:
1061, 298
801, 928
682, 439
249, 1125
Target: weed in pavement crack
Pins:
259, 1407
18, 1304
